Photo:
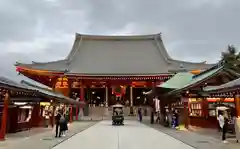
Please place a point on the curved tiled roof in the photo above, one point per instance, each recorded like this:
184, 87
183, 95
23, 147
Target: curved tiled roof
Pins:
118, 55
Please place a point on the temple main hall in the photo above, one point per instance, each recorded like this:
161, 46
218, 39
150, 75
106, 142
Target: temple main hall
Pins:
105, 70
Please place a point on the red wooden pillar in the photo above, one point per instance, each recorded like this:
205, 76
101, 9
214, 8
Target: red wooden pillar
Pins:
237, 105
82, 97
82, 93
4, 117
205, 108
70, 114
35, 117
186, 111
77, 107
53, 114
153, 102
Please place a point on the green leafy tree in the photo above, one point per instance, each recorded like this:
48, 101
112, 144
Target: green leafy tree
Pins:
231, 59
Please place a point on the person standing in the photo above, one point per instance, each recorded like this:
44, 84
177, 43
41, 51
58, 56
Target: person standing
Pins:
173, 119
223, 124
219, 127
157, 107
236, 127
57, 120
152, 116
158, 117
176, 118
166, 120
62, 123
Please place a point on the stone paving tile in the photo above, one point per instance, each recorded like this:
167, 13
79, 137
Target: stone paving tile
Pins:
133, 135
195, 140
27, 133
211, 132
46, 140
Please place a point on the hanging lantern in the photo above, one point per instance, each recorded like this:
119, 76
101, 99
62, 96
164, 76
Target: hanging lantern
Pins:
119, 90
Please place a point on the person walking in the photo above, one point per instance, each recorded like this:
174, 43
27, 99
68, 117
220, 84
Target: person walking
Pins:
57, 120
140, 114
158, 117
236, 127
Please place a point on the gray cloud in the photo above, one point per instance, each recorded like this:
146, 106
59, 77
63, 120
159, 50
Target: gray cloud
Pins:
43, 30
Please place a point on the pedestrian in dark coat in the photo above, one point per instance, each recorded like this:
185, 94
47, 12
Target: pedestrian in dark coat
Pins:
140, 114
62, 125
65, 125
57, 120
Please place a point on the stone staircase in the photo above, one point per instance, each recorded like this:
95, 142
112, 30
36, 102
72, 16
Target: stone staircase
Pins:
100, 113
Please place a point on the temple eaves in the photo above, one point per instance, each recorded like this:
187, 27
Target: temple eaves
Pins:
117, 55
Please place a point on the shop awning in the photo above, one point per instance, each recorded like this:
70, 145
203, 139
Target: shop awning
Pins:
177, 81
47, 92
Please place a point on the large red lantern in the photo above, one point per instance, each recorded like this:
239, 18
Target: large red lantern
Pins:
119, 90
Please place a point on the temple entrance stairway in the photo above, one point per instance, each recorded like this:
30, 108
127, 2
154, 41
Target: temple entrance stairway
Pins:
100, 113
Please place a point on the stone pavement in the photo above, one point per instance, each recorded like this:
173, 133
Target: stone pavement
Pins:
133, 135
212, 132
44, 140
194, 139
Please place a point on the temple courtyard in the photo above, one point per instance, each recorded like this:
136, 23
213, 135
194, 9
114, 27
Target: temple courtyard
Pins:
136, 135
133, 135
102, 135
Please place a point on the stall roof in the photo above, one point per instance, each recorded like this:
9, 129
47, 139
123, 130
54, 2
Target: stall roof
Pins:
5, 82
49, 92
229, 85
199, 78
26, 86
177, 81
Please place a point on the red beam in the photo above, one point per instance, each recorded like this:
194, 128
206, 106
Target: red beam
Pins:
4, 117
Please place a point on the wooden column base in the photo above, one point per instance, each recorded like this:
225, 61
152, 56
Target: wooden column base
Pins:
237, 105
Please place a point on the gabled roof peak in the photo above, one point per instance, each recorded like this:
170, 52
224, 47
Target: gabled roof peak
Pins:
118, 37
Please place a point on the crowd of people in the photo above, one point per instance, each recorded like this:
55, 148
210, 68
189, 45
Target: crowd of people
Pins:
61, 120
171, 119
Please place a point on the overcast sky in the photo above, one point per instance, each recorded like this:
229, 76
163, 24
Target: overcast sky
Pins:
44, 30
